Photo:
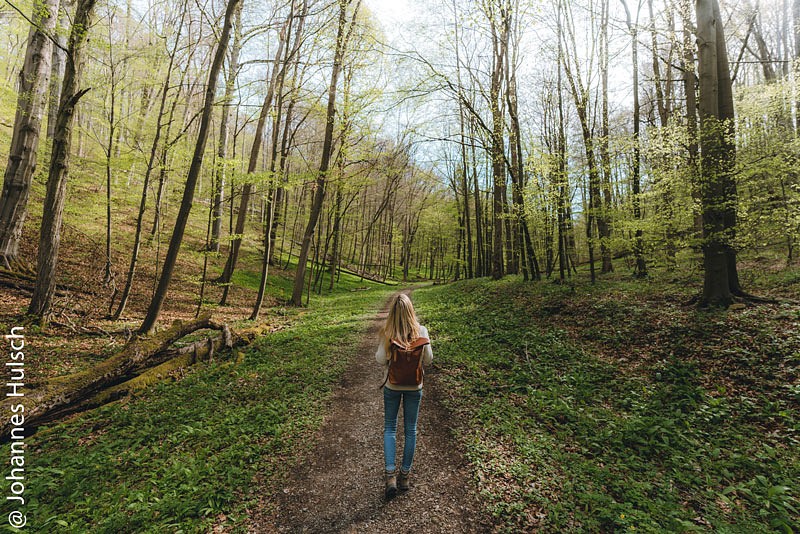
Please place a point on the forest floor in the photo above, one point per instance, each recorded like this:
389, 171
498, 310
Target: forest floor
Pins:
613, 406
337, 484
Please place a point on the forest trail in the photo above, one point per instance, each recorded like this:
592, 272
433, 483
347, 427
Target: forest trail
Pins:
337, 485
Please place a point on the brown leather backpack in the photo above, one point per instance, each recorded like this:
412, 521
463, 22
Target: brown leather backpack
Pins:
405, 362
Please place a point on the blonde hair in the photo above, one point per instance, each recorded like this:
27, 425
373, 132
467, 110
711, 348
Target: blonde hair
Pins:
401, 323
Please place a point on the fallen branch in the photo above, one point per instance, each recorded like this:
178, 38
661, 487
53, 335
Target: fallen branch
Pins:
71, 393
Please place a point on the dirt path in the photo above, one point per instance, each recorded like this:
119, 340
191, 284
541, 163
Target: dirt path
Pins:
338, 485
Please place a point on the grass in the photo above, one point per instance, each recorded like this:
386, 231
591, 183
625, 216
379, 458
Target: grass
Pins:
185, 455
612, 407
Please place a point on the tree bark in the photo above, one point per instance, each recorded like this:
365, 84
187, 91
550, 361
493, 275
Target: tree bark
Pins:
31, 100
499, 43
57, 64
690, 83
603, 218
716, 288
727, 155
640, 269
53, 209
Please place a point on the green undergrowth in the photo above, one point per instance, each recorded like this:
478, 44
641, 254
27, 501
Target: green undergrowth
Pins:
561, 439
185, 455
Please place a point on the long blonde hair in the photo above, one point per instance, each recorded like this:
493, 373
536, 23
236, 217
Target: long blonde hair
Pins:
401, 323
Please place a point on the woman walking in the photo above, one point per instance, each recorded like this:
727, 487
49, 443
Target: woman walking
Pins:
403, 350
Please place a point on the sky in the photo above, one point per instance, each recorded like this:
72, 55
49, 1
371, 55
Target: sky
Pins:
390, 11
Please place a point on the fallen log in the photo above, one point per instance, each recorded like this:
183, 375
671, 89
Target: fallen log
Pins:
86, 389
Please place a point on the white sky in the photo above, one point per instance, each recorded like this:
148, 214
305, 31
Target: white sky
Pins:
390, 11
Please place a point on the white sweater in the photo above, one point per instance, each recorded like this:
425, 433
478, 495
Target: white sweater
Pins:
383, 358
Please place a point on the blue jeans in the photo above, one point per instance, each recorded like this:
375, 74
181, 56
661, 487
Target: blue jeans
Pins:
391, 406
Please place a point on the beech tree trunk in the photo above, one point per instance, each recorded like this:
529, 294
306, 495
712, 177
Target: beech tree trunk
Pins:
272, 200
727, 155
499, 44
690, 91
31, 100
53, 209
717, 186
640, 269
57, 64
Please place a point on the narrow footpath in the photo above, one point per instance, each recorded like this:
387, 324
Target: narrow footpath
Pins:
337, 485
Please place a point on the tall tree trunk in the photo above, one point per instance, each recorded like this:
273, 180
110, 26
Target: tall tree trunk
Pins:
479, 234
563, 184
288, 133
337, 219
319, 193
222, 148
31, 100
603, 217
53, 209
191, 180
716, 287
464, 181
728, 154
58, 62
580, 95
109, 149
530, 264
273, 184
499, 43
689, 89
640, 269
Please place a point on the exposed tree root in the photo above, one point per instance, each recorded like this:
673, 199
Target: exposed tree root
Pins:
744, 297
739, 297
107, 380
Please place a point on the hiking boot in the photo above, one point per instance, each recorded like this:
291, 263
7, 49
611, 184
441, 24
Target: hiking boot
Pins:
402, 481
391, 484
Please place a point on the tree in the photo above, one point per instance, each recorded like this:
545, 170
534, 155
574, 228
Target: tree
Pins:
530, 265
53, 209
579, 88
31, 100
273, 186
499, 22
222, 149
640, 270
717, 149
